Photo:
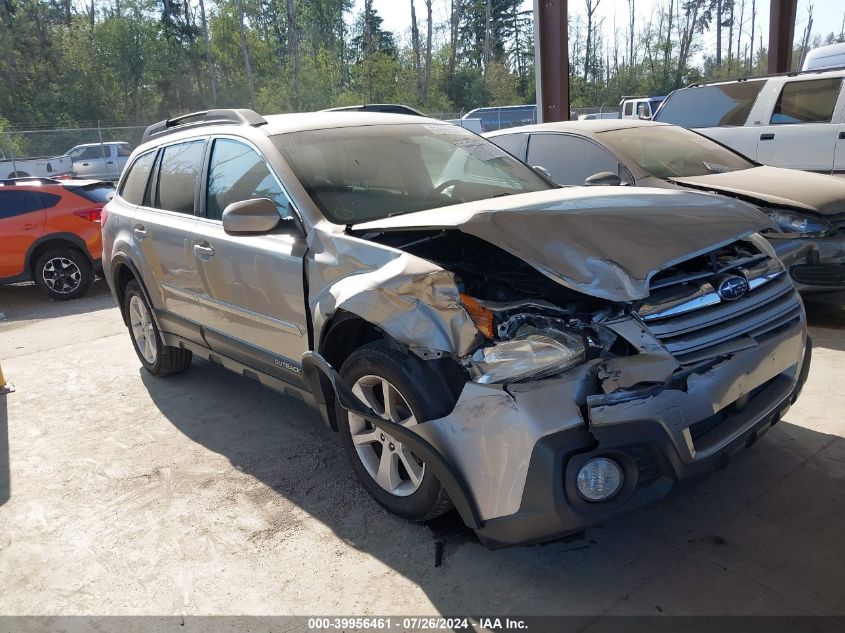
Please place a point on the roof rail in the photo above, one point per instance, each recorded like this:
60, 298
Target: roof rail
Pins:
11, 182
791, 73
233, 116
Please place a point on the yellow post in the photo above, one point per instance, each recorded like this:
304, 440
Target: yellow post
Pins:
5, 387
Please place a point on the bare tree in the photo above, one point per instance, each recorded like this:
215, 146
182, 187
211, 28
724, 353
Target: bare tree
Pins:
293, 47
428, 52
245, 51
631, 22
211, 79
488, 35
591, 7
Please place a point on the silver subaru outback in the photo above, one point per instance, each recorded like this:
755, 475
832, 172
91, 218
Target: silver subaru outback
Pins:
538, 358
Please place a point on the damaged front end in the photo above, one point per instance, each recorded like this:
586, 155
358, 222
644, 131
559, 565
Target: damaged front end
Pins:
574, 406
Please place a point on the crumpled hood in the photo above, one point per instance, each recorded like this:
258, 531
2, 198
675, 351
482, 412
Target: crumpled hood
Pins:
774, 186
605, 242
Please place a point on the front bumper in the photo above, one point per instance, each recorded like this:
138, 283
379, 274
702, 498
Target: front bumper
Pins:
815, 264
657, 440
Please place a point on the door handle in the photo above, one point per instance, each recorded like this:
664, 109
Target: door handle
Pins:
842, 136
204, 250
767, 137
85, 164
140, 232
110, 162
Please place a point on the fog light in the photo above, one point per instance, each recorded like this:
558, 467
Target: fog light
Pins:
599, 479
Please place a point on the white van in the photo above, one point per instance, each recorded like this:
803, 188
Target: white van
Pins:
639, 107
795, 120
830, 56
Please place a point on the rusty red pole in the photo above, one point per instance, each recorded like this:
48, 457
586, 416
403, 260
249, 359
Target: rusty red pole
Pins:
781, 33
551, 44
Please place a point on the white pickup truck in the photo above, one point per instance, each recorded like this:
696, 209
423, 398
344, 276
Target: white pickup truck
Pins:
36, 167
795, 120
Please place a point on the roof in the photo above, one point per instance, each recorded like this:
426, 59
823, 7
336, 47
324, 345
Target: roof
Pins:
585, 127
307, 121
821, 73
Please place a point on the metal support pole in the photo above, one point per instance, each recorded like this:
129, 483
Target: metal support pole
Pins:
781, 33
551, 48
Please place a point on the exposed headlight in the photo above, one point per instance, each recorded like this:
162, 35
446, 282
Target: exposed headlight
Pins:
805, 225
531, 353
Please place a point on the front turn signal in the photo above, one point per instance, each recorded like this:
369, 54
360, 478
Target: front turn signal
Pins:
481, 316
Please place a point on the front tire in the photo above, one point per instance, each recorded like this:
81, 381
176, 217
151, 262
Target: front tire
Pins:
64, 274
156, 357
397, 387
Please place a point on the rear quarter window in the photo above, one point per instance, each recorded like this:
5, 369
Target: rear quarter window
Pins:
135, 183
711, 106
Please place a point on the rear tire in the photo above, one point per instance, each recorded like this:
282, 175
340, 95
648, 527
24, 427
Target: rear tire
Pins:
391, 473
157, 358
63, 273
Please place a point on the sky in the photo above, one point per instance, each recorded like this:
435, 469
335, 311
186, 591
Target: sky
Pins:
827, 16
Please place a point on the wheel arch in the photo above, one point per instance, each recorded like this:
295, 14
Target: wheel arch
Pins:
55, 240
121, 272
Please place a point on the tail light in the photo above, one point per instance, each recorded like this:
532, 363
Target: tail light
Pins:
94, 214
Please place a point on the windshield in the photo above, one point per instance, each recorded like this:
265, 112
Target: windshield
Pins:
363, 173
673, 152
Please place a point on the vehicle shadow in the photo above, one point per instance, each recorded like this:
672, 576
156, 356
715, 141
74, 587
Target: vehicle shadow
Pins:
826, 317
727, 521
27, 301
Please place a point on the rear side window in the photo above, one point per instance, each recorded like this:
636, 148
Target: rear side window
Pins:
629, 108
178, 176
19, 201
514, 118
569, 159
135, 184
711, 106
807, 101
124, 150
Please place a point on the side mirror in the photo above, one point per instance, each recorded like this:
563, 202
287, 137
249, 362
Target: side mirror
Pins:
256, 216
642, 112
542, 171
603, 179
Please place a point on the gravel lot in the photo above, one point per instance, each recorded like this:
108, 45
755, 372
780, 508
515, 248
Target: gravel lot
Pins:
207, 494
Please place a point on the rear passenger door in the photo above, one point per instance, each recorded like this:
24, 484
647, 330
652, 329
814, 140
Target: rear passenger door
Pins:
161, 230
803, 127
252, 291
22, 219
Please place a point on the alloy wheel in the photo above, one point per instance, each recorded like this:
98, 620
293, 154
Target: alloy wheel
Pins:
391, 464
61, 275
143, 329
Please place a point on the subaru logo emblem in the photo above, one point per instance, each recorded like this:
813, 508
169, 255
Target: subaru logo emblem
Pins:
732, 288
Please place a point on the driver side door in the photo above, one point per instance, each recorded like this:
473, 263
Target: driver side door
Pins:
251, 294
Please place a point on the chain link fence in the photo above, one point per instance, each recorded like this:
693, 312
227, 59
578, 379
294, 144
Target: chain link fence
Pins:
49, 152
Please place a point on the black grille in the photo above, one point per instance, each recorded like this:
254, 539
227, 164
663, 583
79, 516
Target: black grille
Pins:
819, 274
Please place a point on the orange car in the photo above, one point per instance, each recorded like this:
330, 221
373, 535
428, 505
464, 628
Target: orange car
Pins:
50, 233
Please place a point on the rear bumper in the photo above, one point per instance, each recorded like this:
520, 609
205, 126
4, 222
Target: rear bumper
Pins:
660, 448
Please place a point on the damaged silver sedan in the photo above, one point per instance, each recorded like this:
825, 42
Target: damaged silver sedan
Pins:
538, 358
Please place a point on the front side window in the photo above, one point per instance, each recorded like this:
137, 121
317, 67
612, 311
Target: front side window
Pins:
237, 173
666, 151
178, 176
569, 159
711, 106
124, 150
363, 173
513, 144
135, 183
807, 101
